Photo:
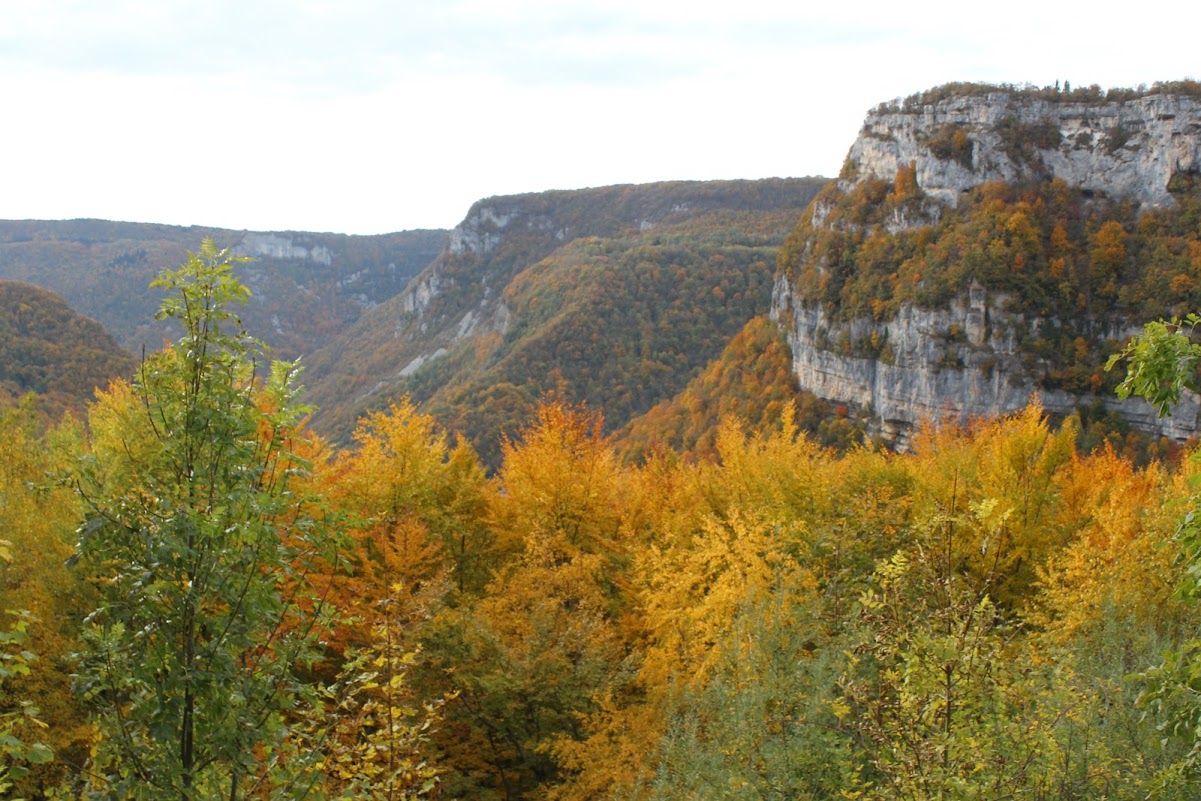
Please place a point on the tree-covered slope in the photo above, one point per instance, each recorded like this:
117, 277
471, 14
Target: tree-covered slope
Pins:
48, 348
751, 381
613, 296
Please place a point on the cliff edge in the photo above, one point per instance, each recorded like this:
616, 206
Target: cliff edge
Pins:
986, 244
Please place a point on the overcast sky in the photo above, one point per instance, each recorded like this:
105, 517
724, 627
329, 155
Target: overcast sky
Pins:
368, 116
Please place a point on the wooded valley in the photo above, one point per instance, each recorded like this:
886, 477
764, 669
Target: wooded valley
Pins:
558, 521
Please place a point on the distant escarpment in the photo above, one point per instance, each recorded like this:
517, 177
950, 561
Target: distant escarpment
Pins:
984, 244
306, 287
614, 296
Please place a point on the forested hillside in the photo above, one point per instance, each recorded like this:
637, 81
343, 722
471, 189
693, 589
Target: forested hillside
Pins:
218, 605
307, 286
50, 350
579, 532
751, 381
617, 323
615, 296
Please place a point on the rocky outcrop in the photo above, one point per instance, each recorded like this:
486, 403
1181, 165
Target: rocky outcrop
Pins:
958, 362
274, 246
964, 359
1132, 149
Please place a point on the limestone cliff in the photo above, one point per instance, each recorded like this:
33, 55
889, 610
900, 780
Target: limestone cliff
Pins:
277, 246
956, 362
984, 331
1131, 149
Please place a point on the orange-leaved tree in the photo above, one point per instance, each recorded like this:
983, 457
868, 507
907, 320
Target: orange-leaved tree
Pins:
531, 657
415, 507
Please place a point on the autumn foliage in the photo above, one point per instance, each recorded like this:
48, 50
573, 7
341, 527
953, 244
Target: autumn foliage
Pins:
736, 611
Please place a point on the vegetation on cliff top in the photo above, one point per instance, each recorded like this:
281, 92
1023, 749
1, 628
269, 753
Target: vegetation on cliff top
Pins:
1055, 94
1082, 264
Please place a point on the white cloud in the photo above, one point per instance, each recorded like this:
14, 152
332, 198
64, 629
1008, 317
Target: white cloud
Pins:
367, 116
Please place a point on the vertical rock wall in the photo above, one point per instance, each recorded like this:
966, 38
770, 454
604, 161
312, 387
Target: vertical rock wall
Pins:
963, 360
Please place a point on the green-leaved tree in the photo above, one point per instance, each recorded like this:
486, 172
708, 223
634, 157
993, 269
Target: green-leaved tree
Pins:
1161, 364
201, 538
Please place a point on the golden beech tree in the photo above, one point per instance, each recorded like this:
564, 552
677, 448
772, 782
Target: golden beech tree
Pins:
1011, 462
754, 533
415, 506
665, 506
530, 657
778, 470
709, 541
563, 487
693, 594
1118, 559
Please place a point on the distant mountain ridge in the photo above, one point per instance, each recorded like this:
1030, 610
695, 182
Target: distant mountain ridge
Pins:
614, 296
306, 286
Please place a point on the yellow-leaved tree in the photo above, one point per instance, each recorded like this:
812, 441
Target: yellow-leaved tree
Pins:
712, 543
37, 518
415, 507
1012, 463
529, 658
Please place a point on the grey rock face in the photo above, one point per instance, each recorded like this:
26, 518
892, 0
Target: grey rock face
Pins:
963, 361
954, 363
1130, 150
281, 247
481, 231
